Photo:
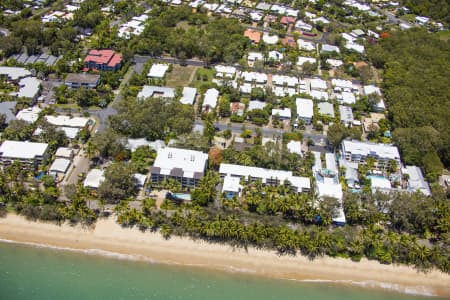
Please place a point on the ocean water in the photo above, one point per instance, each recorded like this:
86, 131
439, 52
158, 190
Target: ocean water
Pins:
30, 272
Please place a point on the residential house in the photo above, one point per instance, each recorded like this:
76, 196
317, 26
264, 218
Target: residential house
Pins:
151, 91
326, 109
94, 178
284, 114
231, 187
346, 114
254, 36
305, 111
8, 109
188, 96
210, 100
158, 71
416, 182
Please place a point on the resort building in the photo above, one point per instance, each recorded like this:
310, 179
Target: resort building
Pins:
185, 166
359, 152
103, 60
327, 183
28, 153
267, 176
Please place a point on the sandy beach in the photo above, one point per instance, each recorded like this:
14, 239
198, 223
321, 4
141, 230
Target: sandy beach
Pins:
109, 236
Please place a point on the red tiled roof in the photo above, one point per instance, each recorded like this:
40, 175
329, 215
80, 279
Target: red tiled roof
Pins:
108, 57
287, 20
255, 36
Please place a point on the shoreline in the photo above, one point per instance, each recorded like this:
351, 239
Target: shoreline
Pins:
111, 240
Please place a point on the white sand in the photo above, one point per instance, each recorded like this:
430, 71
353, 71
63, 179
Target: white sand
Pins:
109, 236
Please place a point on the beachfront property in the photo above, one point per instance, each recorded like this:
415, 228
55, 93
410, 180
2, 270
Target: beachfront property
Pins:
185, 166
102, 60
94, 178
27, 153
359, 152
75, 80
232, 187
59, 168
266, 176
327, 183
416, 182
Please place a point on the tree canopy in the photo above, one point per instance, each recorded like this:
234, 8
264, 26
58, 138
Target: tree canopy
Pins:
417, 92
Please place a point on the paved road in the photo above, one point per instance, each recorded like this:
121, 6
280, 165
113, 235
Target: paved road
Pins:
322, 40
236, 128
142, 59
391, 18
103, 114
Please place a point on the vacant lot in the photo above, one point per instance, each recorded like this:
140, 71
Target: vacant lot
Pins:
180, 76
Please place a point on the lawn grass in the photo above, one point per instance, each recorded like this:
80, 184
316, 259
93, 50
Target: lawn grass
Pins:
203, 76
444, 35
180, 76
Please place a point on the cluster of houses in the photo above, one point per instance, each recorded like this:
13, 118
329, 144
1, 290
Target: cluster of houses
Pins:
28, 86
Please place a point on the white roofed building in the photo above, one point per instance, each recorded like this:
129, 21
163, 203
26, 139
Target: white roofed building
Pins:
210, 99
185, 166
416, 182
188, 96
283, 114
28, 153
359, 152
149, 91
305, 110
267, 176
94, 178
29, 115
158, 71
67, 121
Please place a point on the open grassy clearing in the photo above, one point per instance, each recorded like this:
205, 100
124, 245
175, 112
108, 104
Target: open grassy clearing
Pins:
180, 76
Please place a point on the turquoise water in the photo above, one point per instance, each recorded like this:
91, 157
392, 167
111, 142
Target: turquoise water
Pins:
186, 197
28, 272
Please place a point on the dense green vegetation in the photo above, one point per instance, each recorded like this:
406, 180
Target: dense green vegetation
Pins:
417, 93
438, 10
388, 238
153, 118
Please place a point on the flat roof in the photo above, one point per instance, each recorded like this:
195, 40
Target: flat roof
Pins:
189, 161
158, 70
67, 121
366, 148
156, 91
14, 73
326, 108
82, 78
264, 174
188, 96
22, 150
60, 165
231, 184
305, 108
94, 178
7, 108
